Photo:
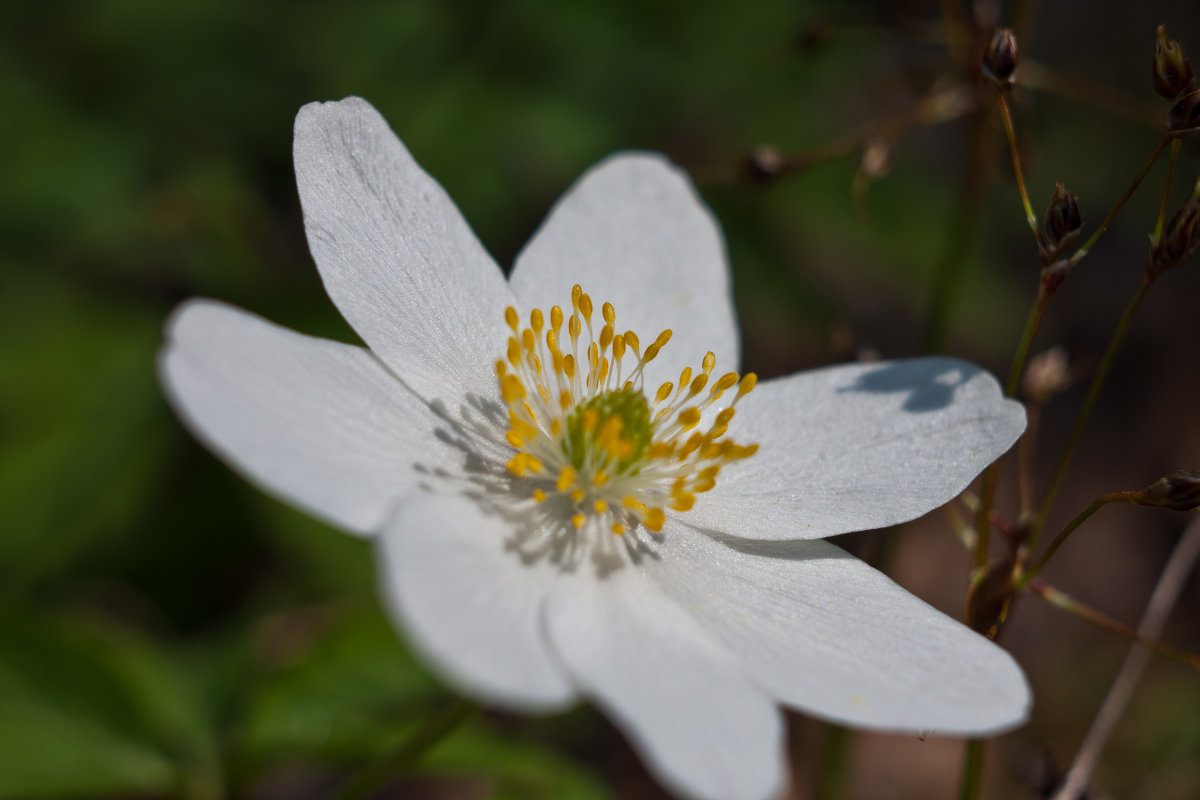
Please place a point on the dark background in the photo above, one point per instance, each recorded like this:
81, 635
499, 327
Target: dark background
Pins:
166, 630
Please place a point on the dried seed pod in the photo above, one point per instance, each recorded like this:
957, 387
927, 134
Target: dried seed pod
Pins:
1185, 114
1179, 491
1063, 223
1179, 238
1172, 72
1000, 59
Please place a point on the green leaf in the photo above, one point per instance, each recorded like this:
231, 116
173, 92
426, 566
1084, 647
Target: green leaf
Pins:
90, 711
340, 694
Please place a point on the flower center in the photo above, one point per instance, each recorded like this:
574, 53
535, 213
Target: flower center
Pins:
592, 443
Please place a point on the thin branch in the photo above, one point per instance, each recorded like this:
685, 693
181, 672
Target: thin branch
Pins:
1166, 593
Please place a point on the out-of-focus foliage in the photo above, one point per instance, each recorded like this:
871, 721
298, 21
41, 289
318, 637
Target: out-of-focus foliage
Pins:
165, 630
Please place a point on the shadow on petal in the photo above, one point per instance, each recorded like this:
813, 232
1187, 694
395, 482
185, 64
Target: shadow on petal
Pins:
929, 383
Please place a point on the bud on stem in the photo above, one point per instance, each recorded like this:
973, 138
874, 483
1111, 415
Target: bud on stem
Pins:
1000, 59
1172, 72
1179, 491
1179, 239
1062, 224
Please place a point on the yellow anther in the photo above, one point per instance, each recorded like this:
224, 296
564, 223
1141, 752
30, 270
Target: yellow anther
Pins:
514, 352
511, 317
578, 520
569, 365
527, 340
659, 450
501, 368
556, 426
573, 327
556, 318
536, 320
515, 439
619, 346
539, 495
512, 389
725, 415
654, 519
585, 306
629, 501
708, 473
600, 478
576, 293
710, 361
606, 336
565, 478
698, 384
685, 376
703, 486
618, 528
664, 392
723, 383
602, 374
577, 495
684, 502
565, 400
749, 381
631, 339
693, 442
523, 462
600, 506
609, 313
689, 418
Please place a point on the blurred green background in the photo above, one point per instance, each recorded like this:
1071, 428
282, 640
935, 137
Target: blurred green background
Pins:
168, 631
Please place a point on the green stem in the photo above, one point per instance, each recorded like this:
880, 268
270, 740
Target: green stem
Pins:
1080, 518
1166, 195
1083, 251
972, 774
1027, 336
988, 489
432, 731
1015, 153
1085, 412
1065, 602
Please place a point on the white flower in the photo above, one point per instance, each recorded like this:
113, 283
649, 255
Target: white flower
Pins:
560, 538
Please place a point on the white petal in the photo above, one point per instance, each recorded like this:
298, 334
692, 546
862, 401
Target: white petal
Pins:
824, 632
683, 700
396, 256
632, 231
858, 446
321, 424
471, 605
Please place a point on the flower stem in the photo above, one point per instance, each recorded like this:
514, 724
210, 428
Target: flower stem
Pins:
972, 775
1083, 251
1065, 602
1106, 362
432, 731
1166, 195
1080, 518
1011, 133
